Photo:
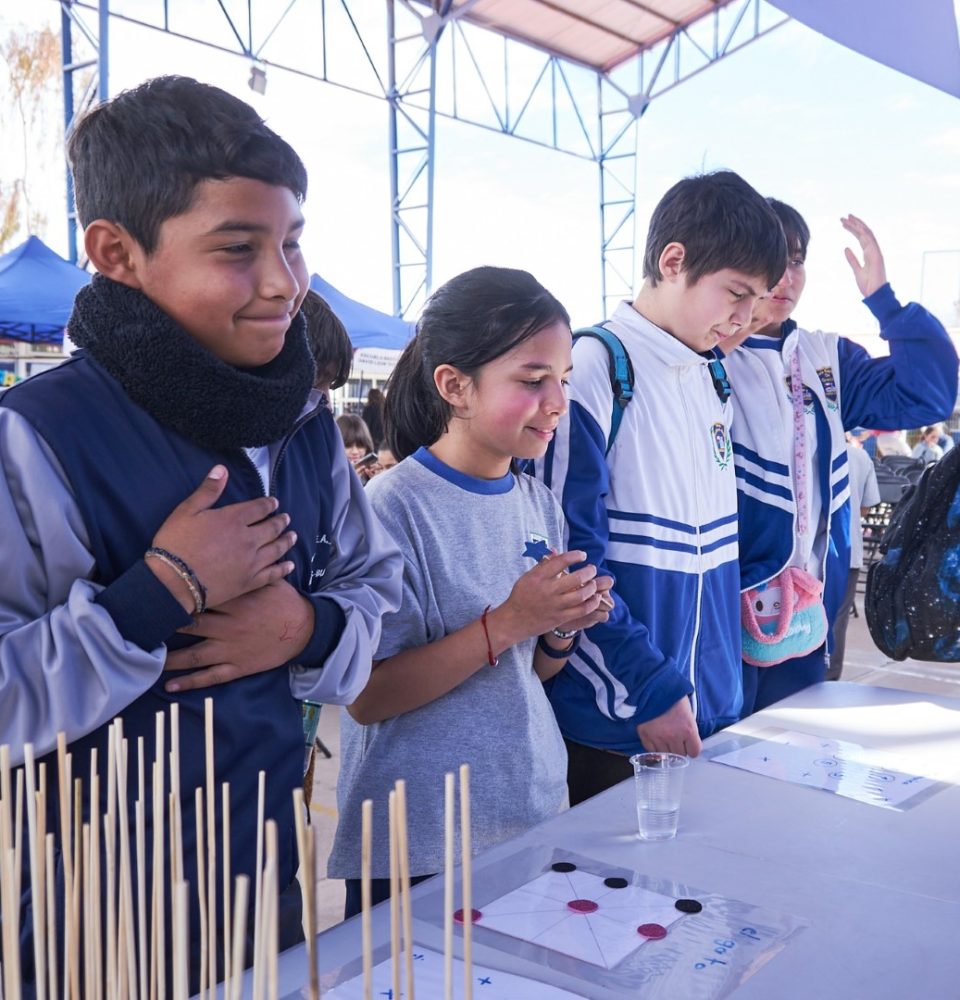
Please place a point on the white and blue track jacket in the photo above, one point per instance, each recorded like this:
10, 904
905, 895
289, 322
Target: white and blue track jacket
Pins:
843, 388
659, 514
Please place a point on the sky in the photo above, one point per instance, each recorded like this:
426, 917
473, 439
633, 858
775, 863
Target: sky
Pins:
800, 117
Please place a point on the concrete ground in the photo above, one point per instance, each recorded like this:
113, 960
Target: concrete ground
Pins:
864, 663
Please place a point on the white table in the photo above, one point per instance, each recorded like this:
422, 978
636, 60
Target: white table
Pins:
879, 890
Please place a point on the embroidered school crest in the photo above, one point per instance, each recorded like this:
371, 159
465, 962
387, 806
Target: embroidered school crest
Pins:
722, 445
807, 394
829, 386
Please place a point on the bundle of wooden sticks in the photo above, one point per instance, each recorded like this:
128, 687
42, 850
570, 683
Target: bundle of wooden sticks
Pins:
99, 930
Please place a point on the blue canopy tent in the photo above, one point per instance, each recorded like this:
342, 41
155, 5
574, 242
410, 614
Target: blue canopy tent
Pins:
368, 327
37, 288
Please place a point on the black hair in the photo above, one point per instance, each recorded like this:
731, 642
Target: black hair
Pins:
795, 227
470, 321
328, 339
138, 158
722, 223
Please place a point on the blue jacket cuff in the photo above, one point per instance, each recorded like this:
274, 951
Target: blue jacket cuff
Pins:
328, 625
883, 304
142, 608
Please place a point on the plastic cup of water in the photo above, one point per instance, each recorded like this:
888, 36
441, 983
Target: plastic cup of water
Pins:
658, 779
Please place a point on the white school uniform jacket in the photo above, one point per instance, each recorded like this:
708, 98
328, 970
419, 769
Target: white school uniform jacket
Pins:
843, 388
659, 514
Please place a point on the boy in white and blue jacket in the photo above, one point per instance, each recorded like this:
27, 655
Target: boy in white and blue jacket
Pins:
664, 670
843, 388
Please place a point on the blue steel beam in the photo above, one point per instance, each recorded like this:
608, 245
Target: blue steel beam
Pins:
445, 50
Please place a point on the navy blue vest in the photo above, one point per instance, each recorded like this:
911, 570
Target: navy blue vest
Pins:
127, 473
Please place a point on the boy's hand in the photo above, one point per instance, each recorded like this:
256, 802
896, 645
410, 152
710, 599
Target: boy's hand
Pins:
544, 597
252, 633
872, 274
232, 550
673, 732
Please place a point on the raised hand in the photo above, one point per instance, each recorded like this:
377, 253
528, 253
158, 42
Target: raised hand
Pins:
673, 732
232, 550
254, 632
872, 273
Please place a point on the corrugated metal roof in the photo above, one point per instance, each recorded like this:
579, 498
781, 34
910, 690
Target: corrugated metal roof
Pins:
600, 34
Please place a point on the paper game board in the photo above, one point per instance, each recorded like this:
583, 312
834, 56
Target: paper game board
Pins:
837, 766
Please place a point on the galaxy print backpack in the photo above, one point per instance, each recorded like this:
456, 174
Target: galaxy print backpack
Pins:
912, 601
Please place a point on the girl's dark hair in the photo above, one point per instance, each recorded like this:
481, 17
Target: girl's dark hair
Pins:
795, 228
354, 432
470, 321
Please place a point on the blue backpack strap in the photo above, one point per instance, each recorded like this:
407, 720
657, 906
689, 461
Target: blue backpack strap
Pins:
621, 374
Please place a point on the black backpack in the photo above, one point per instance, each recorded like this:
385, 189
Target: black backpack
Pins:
912, 601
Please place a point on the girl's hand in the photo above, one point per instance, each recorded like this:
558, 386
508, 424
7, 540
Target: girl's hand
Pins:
544, 597
872, 274
602, 613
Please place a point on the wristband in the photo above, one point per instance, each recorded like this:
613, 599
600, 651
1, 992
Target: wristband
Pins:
197, 590
561, 634
558, 654
492, 660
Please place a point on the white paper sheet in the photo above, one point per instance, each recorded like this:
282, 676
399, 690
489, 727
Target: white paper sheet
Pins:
836, 766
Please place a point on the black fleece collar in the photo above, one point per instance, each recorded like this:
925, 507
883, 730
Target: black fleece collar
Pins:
179, 382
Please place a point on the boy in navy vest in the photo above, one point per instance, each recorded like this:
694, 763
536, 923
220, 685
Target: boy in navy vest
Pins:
177, 509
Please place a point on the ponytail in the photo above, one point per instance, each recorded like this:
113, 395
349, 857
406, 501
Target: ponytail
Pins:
414, 413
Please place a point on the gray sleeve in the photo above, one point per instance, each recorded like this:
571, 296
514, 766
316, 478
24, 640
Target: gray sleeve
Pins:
363, 578
64, 666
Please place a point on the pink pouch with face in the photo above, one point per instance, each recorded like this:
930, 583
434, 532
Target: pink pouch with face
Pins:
783, 618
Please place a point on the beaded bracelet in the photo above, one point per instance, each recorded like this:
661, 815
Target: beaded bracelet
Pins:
197, 590
559, 654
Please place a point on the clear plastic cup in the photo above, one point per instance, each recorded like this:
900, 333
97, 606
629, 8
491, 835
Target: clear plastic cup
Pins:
658, 779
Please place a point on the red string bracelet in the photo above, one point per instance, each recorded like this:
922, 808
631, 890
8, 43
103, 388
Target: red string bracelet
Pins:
492, 660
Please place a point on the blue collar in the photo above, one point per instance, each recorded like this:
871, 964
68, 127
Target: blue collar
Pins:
471, 484
772, 343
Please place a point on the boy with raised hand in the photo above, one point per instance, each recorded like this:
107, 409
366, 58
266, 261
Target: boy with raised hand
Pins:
843, 388
657, 508
179, 474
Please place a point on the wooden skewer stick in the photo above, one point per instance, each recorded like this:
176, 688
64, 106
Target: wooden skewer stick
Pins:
258, 888
366, 927
211, 843
11, 916
110, 877
394, 895
95, 820
36, 880
241, 897
201, 894
6, 889
52, 979
158, 960
308, 882
268, 935
66, 839
227, 875
143, 955
449, 804
18, 831
76, 911
88, 903
403, 851
128, 922
181, 941
466, 869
